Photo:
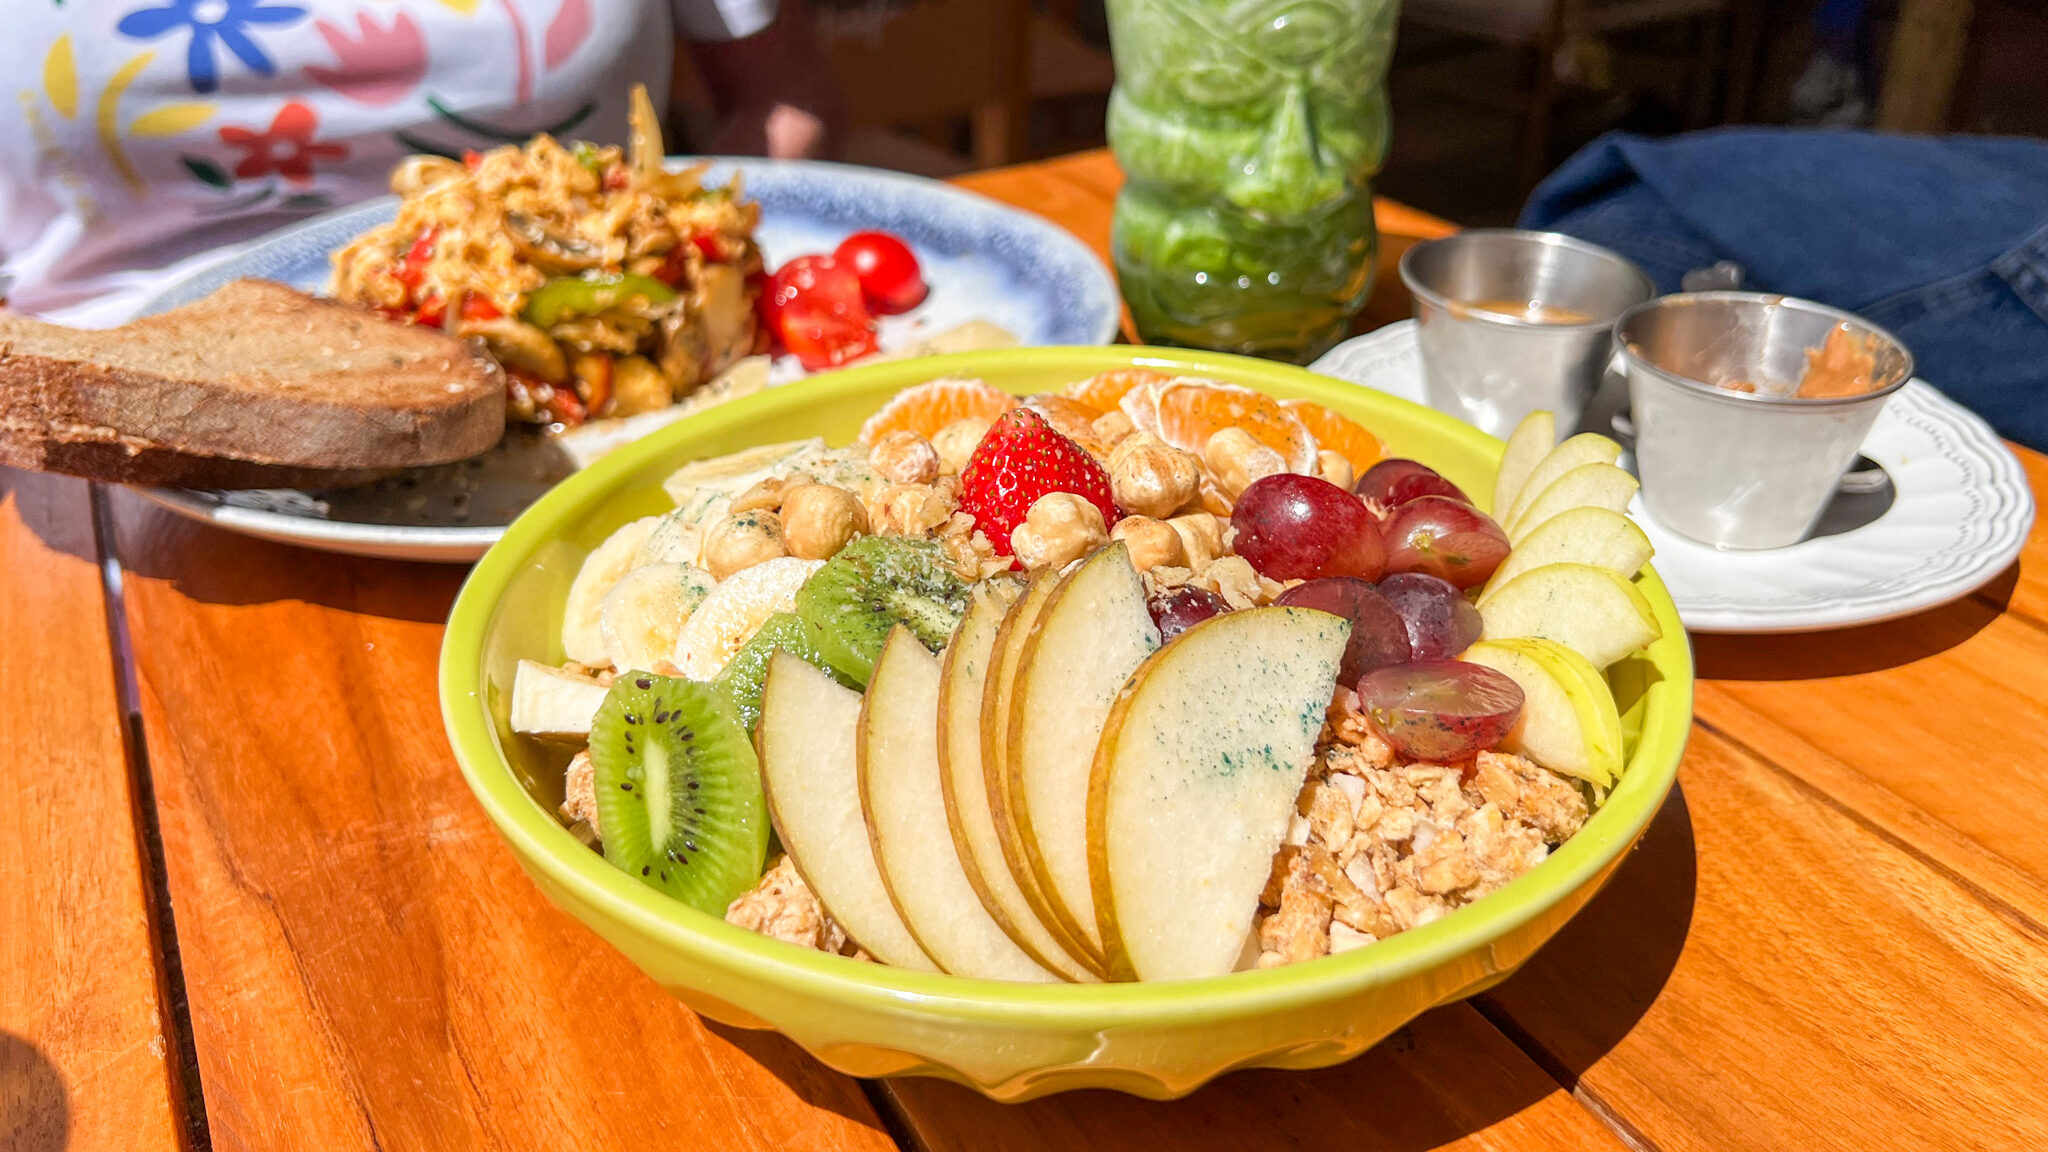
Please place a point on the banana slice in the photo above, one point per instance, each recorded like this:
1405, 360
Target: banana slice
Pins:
644, 611
553, 703
607, 564
674, 541
729, 617
699, 483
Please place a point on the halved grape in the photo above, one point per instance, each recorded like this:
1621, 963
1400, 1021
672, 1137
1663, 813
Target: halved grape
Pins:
1393, 482
1293, 527
1441, 622
1441, 711
1176, 610
1438, 535
1379, 636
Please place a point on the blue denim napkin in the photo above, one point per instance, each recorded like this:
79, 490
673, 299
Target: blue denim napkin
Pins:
1944, 241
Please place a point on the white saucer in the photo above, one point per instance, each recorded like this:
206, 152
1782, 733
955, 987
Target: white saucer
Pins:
1960, 514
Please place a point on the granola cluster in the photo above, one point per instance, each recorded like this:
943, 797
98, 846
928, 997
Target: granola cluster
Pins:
1378, 847
781, 905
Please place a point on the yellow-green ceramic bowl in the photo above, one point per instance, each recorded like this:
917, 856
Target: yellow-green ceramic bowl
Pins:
1011, 1041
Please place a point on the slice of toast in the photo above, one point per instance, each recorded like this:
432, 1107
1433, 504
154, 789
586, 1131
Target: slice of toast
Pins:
255, 385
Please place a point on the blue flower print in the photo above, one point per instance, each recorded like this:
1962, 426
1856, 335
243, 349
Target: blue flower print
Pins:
211, 21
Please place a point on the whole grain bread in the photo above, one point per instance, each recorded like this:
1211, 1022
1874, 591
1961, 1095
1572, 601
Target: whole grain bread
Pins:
257, 385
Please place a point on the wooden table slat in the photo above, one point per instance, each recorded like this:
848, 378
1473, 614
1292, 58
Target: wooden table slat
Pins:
85, 1062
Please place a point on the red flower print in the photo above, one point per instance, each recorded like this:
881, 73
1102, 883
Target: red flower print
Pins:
286, 147
377, 67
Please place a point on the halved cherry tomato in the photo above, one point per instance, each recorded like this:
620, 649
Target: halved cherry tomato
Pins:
890, 279
814, 305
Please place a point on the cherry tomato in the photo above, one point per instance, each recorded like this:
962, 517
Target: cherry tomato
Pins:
814, 305
413, 268
889, 276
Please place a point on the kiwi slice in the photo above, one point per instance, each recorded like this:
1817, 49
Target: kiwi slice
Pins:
872, 585
678, 790
741, 678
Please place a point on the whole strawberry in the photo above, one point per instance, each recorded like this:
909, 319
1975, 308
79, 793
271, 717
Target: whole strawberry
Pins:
1019, 460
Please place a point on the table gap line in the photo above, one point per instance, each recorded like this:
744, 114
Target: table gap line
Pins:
188, 1095
1991, 901
1497, 1016
895, 1119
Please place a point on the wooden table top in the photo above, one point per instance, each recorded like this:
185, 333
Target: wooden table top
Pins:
246, 901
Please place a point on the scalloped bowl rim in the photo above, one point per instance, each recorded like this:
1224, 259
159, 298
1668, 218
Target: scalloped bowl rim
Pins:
543, 842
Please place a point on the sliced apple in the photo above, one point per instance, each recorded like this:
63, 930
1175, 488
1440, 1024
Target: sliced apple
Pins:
1576, 452
904, 806
963, 679
552, 703
1587, 486
811, 775
1194, 784
1092, 634
1531, 440
997, 762
1586, 535
1569, 723
1592, 611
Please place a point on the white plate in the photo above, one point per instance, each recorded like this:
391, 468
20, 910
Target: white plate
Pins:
1960, 513
983, 259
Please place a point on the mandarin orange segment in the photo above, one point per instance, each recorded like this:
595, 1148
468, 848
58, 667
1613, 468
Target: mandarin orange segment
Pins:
926, 408
1071, 418
1189, 411
1340, 434
1104, 390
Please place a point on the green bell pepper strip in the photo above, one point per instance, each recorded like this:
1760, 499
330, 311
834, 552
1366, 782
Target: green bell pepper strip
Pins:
565, 297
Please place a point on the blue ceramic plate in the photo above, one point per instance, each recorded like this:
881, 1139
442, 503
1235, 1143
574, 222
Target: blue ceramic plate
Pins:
983, 260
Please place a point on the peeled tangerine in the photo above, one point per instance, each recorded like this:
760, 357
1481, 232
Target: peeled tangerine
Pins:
1569, 723
1593, 611
1194, 784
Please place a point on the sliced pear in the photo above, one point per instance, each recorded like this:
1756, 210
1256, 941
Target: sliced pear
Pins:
1576, 452
1531, 440
905, 809
552, 703
607, 564
1587, 535
1092, 634
978, 845
1587, 486
1569, 723
811, 775
997, 762
1194, 784
1593, 611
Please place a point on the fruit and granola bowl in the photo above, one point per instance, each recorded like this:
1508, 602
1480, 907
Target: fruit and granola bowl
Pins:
1064, 718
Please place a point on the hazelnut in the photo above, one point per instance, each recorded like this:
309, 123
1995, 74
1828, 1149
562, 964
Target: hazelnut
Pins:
1336, 468
904, 457
1060, 529
766, 495
1150, 478
1201, 537
1153, 543
956, 442
1234, 579
1235, 459
913, 509
1111, 427
742, 541
818, 520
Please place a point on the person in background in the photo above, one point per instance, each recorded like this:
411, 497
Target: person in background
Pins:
150, 134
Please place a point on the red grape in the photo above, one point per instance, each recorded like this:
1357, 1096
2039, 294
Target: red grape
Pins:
1393, 482
1438, 535
1440, 710
1441, 622
1379, 637
1176, 610
1299, 527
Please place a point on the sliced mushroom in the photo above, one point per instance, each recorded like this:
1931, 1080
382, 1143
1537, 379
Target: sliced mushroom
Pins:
547, 249
416, 174
684, 351
523, 348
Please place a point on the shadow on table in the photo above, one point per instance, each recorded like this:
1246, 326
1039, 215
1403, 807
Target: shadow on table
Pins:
1852, 651
48, 506
1578, 997
215, 566
35, 1111
813, 1083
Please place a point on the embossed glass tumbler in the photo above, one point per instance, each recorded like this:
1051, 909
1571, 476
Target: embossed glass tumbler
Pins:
1248, 133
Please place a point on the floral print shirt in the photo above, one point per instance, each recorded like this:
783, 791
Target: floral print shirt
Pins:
151, 134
